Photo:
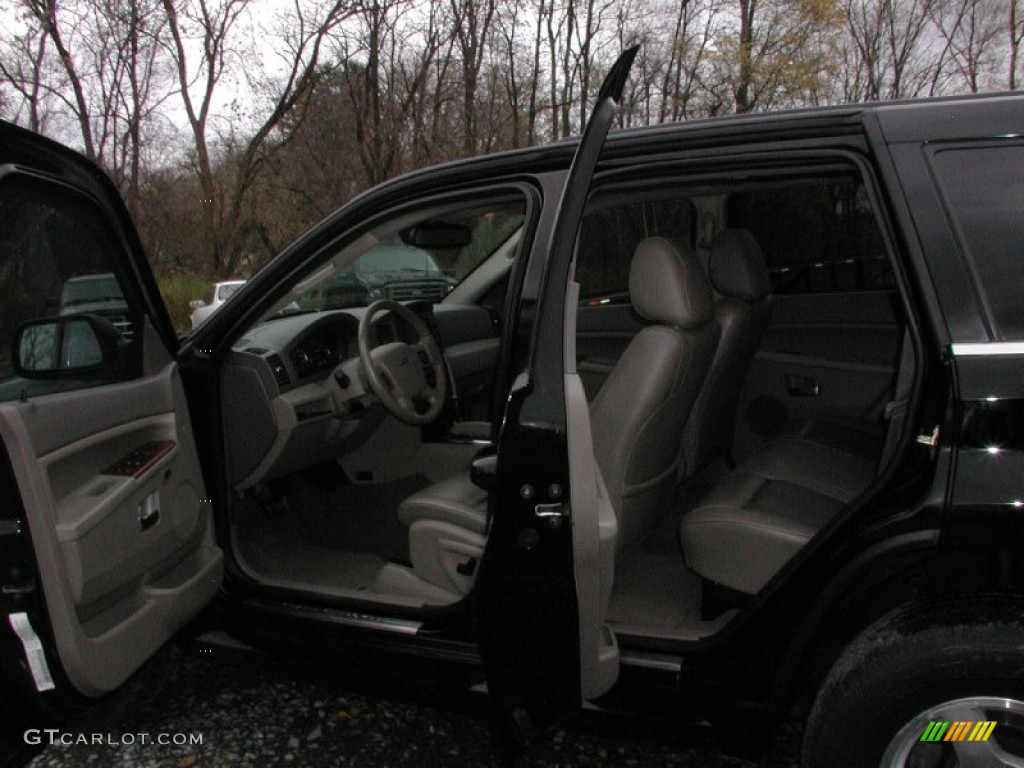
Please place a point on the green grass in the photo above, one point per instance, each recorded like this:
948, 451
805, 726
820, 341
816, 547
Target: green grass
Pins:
178, 290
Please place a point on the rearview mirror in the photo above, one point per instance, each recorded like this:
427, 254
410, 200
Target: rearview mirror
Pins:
73, 347
439, 235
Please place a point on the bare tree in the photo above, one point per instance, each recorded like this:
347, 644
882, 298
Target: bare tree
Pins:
46, 14
214, 25
23, 66
970, 31
471, 23
1015, 30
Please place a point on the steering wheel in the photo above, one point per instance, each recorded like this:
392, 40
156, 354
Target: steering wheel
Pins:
397, 372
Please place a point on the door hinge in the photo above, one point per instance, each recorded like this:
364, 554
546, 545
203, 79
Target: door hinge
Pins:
553, 513
931, 440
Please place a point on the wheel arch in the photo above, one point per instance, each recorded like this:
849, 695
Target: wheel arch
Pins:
908, 583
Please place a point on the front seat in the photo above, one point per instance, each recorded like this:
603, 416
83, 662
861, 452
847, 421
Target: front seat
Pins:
638, 416
637, 421
740, 276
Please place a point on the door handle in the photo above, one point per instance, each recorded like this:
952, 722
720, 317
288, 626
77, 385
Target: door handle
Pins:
149, 511
802, 386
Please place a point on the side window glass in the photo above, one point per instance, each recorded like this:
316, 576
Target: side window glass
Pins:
817, 237
58, 259
984, 188
610, 233
423, 262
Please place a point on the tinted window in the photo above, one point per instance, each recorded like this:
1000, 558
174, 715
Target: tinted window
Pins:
984, 188
817, 237
610, 234
57, 258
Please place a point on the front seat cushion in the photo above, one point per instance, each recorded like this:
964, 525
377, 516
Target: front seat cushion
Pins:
454, 500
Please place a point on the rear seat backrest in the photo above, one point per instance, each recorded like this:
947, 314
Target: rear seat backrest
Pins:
738, 273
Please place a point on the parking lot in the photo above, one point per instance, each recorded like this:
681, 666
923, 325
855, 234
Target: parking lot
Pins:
217, 707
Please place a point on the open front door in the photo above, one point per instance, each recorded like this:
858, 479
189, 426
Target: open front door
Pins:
106, 507
547, 571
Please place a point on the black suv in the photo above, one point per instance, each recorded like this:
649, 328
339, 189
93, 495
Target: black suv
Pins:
721, 418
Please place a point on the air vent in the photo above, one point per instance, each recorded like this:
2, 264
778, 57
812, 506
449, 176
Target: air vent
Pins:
280, 371
123, 324
255, 350
430, 291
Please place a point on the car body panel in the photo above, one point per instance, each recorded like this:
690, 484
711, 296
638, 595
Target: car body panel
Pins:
940, 517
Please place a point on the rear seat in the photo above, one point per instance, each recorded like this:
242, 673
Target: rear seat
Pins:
759, 515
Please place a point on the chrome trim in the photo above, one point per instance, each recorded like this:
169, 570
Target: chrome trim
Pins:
648, 660
988, 348
346, 618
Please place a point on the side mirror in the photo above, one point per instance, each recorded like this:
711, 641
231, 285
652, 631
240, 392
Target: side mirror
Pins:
70, 347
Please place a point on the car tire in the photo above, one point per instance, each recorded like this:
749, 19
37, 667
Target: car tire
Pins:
890, 683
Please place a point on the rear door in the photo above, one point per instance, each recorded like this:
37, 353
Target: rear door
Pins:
834, 336
107, 505
549, 561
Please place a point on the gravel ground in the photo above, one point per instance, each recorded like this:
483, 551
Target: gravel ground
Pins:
255, 710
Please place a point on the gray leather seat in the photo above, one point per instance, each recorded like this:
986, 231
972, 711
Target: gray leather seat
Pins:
454, 500
740, 276
638, 416
637, 419
758, 516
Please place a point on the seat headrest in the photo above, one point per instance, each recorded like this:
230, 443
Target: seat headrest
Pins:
737, 266
667, 285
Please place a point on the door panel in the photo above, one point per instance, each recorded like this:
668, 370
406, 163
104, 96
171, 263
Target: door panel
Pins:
123, 540
823, 354
594, 534
100, 442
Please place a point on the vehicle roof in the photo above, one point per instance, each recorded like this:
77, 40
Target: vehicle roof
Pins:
912, 119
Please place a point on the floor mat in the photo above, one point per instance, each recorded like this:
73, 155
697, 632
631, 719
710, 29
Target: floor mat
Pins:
655, 590
277, 551
355, 518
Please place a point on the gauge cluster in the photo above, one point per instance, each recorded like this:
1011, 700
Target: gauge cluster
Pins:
323, 346
313, 356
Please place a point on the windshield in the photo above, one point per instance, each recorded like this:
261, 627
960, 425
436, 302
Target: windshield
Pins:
395, 259
423, 262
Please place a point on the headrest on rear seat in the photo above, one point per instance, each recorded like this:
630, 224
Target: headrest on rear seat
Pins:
668, 286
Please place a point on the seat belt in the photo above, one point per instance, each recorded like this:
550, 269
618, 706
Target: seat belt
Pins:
896, 409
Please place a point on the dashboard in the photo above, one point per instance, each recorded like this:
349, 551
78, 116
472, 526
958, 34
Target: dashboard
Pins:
293, 391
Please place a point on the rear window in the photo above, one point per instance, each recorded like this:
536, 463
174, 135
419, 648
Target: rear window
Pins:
983, 186
817, 237
610, 233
